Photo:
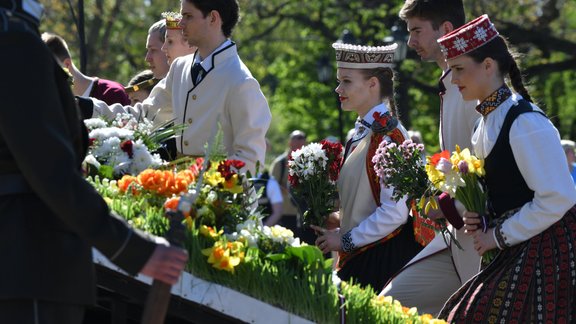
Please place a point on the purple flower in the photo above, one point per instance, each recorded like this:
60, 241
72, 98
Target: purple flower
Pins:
463, 167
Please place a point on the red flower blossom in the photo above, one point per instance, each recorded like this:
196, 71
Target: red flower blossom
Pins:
225, 168
381, 119
334, 154
436, 157
127, 146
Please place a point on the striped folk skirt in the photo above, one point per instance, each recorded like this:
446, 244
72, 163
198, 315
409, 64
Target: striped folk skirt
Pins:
532, 282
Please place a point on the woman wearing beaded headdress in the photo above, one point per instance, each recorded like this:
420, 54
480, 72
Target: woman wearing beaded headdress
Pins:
375, 238
175, 44
532, 219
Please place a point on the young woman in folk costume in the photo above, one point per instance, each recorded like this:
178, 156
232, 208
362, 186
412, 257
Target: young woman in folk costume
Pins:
375, 238
532, 219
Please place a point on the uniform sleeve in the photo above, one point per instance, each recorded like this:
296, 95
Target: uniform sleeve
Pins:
42, 148
385, 219
249, 117
160, 96
537, 150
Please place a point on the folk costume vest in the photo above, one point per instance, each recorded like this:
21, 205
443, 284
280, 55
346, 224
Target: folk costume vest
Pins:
506, 187
363, 192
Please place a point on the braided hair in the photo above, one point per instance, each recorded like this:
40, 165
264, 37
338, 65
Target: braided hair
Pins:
386, 78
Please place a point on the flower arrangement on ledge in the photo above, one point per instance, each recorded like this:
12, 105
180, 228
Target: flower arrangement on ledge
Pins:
124, 145
228, 244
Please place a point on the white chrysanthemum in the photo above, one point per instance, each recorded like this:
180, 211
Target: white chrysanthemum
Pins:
108, 147
101, 134
94, 123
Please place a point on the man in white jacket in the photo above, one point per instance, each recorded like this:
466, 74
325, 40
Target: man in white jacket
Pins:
439, 269
211, 87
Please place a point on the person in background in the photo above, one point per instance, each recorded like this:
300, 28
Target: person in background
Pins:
271, 199
155, 58
569, 148
208, 90
140, 85
442, 267
279, 171
51, 216
375, 237
108, 91
530, 224
175, 44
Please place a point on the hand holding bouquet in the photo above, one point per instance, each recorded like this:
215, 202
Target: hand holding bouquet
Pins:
313, 172
402, 167
459, 176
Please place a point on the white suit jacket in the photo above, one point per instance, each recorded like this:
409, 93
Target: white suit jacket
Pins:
227, 90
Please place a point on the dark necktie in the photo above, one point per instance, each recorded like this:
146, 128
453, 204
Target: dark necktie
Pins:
441, 87
197, 72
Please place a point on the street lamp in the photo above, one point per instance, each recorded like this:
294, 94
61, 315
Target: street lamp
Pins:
399, 35
325, 68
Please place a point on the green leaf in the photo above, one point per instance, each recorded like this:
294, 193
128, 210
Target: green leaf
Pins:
106, 171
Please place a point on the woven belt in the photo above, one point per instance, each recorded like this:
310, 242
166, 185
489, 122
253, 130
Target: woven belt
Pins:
11, 184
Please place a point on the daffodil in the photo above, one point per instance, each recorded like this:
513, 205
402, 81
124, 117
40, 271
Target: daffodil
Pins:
214, 179
225, 255
232, 185
210, 232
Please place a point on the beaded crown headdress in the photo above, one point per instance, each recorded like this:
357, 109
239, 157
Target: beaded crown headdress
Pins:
364, 57
172, 19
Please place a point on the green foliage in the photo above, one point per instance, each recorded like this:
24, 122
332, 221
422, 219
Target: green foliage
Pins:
283, 41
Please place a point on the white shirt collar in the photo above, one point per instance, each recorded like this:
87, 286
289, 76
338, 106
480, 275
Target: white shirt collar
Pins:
207, 62
361, 128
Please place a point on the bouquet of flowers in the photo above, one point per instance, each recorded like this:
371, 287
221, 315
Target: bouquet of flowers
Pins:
402, 167
313, 172
122, 146
459, 175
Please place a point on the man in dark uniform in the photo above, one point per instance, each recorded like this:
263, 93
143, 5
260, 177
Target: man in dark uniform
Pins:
50, 217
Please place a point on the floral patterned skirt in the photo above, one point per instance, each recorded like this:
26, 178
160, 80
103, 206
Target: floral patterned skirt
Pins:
532, 282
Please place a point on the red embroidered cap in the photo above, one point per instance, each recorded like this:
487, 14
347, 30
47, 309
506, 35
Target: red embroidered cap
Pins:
364, 57
468, 37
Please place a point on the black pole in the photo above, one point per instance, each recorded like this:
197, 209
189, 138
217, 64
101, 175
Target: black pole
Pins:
82, 36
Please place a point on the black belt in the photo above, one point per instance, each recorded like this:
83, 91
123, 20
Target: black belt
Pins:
13, 184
